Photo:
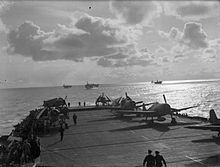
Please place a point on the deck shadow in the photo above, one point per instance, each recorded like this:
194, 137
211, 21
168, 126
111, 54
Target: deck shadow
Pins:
162, 127
52, 144
168, 123
208, 140
124, 118
52, 131
156, 126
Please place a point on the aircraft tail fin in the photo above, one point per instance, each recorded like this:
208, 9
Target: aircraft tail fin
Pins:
213, 118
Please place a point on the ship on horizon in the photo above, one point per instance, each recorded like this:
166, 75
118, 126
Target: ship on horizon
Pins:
91, 86
67, 86
157, 82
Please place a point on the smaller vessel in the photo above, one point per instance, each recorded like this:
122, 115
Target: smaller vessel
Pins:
91, 86
67, 86
157, 82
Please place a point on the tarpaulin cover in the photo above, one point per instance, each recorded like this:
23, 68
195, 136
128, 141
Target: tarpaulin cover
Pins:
56, 102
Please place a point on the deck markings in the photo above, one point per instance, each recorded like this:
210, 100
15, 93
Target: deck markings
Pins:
145, 137
132, 131
161, 146
195, 160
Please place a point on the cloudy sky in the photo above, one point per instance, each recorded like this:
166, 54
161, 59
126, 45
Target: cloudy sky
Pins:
51, 43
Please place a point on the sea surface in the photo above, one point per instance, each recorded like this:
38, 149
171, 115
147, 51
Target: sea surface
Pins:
16, 103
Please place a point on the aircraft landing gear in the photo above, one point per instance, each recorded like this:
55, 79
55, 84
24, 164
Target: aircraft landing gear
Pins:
173, 121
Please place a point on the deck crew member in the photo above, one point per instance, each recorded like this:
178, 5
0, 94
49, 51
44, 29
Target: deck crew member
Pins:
149, 159
61, 133
75, 119
159, 160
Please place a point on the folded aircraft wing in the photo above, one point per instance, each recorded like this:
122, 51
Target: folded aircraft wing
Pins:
205, 127
186, 108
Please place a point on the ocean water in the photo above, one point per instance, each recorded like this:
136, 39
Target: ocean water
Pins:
15, 104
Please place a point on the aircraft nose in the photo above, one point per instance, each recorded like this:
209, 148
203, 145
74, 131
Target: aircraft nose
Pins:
167, 108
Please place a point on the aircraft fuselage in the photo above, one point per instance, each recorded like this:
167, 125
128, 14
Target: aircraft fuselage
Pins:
161, 110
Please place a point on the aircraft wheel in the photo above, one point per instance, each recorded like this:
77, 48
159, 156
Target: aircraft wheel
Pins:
173, 121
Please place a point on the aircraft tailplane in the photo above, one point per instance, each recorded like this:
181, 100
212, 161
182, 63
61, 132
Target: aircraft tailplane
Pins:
213, 118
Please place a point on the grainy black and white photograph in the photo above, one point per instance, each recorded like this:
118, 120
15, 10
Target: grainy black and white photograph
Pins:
109, 83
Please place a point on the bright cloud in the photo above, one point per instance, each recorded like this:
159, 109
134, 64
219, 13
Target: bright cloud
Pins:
130, 56
192, 36
4, 5
174, 34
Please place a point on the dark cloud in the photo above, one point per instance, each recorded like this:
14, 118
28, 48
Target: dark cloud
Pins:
194, 36
192, 10
27, 40
209, 54
209, 51
165, 60
118, 56
178, 56
88, 37
135, 12
102, 40
105, 62
140, 61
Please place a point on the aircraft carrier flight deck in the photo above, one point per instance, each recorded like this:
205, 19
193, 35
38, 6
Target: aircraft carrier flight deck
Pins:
100, 139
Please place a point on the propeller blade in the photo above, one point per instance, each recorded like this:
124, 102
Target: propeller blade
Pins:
108, 98
165, 100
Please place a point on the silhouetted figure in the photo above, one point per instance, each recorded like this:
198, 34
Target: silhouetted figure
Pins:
159, 160
144, 108
61, 133
79, 103
75, 119
173, 121
149, 160
68, 104
84, 104
66, 125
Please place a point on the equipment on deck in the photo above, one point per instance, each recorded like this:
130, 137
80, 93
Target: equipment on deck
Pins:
56, 102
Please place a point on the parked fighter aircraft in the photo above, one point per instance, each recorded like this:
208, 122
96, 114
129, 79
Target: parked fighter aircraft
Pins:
125, 103
103, 100
213, 125
157, 110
